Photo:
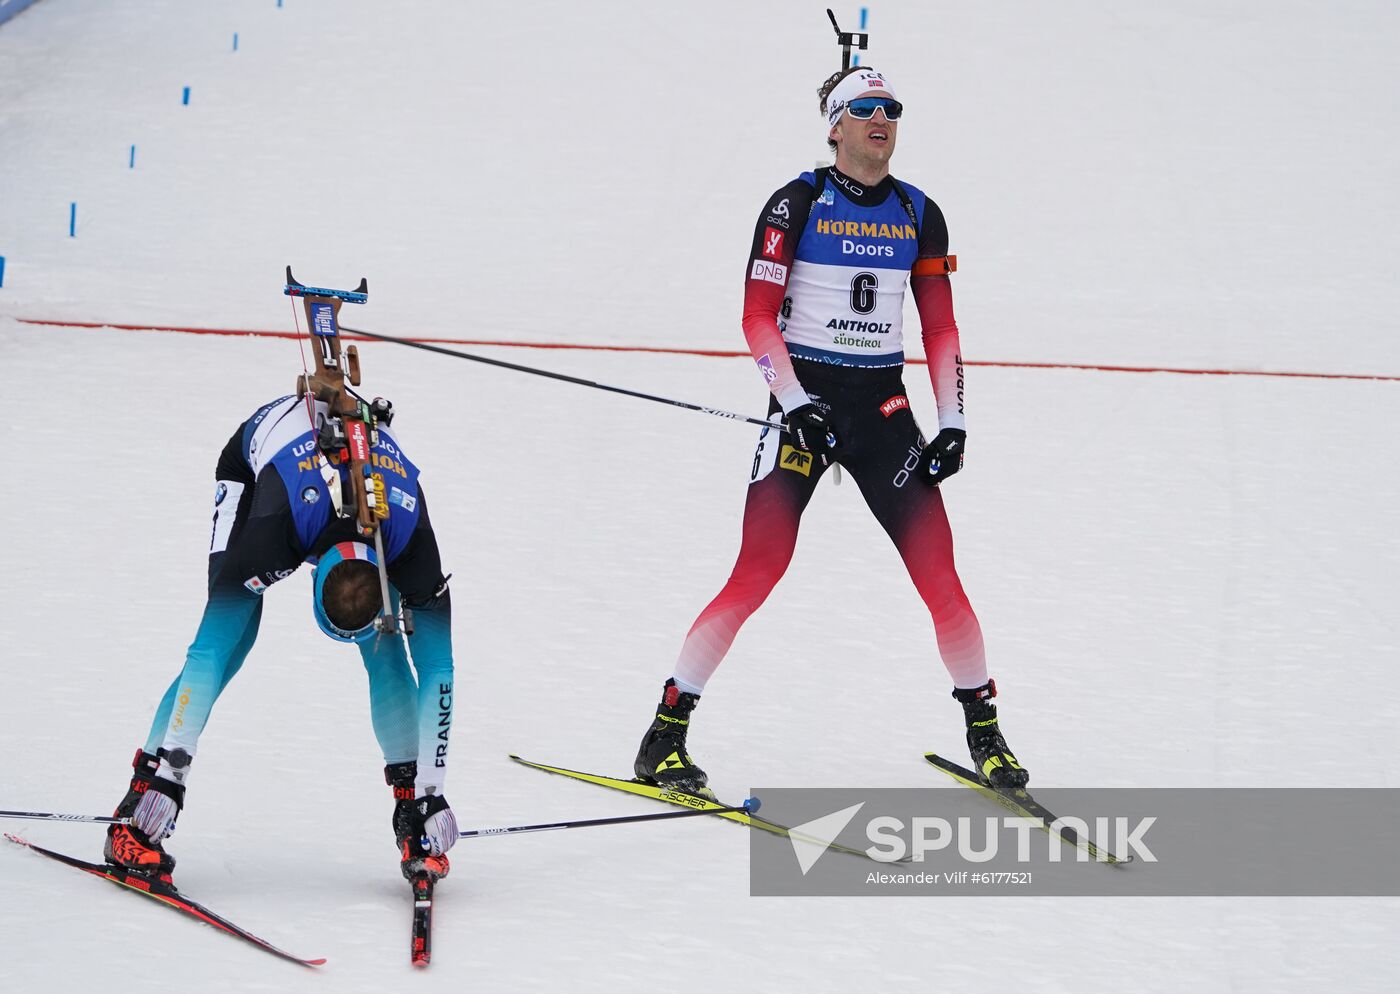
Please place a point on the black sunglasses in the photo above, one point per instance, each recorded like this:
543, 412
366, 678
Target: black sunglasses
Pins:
863, 108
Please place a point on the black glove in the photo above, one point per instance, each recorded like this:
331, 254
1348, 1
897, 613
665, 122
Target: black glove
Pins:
811, 431
943, 456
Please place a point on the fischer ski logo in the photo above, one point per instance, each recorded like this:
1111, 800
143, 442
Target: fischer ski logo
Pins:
684, 800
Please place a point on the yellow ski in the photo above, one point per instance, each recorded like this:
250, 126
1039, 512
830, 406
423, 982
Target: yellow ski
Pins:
693, 801
1018, 801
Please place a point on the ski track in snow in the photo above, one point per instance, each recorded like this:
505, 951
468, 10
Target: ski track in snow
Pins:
1183, 581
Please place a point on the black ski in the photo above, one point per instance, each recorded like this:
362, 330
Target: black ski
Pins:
166, 894
422, 951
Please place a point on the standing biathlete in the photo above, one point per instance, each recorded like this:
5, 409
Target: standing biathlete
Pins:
833, 252
272, 512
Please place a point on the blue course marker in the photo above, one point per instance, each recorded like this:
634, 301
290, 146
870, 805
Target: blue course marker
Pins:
73, 219
132, 163
186, 99
2, 270
235, 41
864, 13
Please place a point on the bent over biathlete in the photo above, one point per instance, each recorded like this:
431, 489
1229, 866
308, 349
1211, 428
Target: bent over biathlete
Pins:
832, 255
273, 511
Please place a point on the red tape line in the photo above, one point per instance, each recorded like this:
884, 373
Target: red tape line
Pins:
718, 353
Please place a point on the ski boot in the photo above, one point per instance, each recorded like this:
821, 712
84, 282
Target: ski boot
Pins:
410, 812
662, 759
127, 846
991, 756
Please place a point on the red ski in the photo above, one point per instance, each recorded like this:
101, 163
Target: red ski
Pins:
166, 894
422, 949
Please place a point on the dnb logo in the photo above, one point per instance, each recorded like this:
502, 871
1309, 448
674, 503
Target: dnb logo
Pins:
770, 272
795, 460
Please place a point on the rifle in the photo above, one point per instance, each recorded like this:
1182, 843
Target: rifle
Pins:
349, 429
846, 39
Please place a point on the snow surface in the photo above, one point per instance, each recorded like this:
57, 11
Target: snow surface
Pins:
1182, 580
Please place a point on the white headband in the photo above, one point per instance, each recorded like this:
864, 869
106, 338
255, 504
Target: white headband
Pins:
863, 83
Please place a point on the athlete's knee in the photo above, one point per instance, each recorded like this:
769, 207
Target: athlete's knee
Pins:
753, 582
948, 605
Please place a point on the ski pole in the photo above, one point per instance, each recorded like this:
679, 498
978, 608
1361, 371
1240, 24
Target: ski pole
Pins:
749, 806
426, 347
52, 816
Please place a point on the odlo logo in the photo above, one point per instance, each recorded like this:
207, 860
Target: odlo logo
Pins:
911, 462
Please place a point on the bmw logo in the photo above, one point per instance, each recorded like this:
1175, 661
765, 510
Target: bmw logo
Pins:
220, 492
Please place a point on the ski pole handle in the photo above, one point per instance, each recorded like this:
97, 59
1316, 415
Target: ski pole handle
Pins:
749, 806
55, 816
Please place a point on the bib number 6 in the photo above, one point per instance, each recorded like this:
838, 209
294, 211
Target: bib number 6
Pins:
863, 287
